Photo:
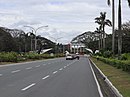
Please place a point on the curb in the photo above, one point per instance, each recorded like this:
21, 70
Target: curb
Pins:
114, 89
98, 86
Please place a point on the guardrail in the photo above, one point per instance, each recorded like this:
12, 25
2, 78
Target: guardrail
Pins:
112, 87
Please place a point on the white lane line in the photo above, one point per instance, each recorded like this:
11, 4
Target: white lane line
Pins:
28, 87
98, 86
46, 77
61, 69
15, 71
37, 66
1, 74
64, 66
55, 72
29, 68
44, 64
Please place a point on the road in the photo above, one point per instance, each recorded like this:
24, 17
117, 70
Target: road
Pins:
48, 78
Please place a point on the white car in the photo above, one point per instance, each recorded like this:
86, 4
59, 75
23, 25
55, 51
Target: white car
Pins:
69, 57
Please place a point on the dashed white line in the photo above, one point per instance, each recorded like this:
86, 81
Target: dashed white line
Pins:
28, 87
15, 71
64, 66
61, 69
44, 64
46, 77
55, 72
37, 66
29, 68
1, 74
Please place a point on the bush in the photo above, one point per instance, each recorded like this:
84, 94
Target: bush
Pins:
124, 65
8, 57
107, 54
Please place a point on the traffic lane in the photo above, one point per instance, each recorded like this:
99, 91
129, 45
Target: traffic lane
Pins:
75, 81
13, 86
19, 66
34, 72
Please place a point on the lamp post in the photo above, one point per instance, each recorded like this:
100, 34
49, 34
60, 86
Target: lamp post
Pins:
35, 31
55, 39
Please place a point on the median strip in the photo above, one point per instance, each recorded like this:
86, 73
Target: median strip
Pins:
28, 87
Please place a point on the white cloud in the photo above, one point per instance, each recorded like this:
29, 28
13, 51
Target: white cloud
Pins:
69, 17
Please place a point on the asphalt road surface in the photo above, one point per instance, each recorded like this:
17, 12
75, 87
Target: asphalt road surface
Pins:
48, 78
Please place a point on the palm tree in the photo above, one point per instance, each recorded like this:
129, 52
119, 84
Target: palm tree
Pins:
113, 25
119, 25
99, 32
102, 21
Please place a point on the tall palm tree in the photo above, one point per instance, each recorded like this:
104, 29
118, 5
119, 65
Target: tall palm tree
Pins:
120, 28
99, 32
113, 24
102, 21
119, 24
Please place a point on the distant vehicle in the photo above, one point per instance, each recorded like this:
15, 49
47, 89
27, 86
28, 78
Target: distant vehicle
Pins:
72, 56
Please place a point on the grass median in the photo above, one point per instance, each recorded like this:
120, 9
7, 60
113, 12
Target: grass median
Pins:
119, 78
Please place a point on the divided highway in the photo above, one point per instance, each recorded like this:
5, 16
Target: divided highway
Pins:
48, 78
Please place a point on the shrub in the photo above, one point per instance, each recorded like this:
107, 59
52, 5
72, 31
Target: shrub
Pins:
120, 64
107, 54
8, 57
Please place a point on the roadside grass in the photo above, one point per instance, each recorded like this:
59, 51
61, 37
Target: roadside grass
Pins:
119, 78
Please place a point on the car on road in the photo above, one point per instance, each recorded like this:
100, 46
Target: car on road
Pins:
70, 57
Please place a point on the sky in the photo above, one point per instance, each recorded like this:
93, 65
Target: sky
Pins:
65, 18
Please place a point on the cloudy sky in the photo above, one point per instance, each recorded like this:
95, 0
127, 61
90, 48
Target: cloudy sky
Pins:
65, 18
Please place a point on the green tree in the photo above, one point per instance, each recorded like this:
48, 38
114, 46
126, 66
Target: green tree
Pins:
7, 42
119, 25
113, 25
102, 21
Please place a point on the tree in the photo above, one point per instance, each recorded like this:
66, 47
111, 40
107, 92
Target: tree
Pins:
102, 21
113, 25
7, 42
120, 29
98, 30
119, 26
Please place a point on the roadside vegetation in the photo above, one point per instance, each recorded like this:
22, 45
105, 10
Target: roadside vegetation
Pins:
123, 63
13, 57
119, 78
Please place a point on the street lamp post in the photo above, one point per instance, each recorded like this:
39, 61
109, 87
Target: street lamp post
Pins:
35, 31
55, 39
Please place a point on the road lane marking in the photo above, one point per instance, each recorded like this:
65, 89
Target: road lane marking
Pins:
29, 68
64, 66
44, 64
37, 66
55, 72
1, 74
98, 86
28, 87
46, 77
61, 69
15, 71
